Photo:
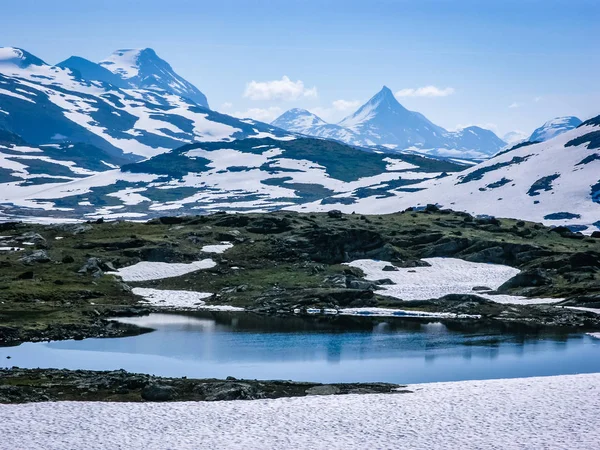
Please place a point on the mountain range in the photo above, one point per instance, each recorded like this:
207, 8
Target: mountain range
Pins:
384, 122
130, 138
556, 182
132, 105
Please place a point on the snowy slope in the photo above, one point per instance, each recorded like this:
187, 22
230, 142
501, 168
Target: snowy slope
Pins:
52, 105
554, 127
558, 412
556, 182
22, 164
253, 174
384, 123
91, 71
143, 69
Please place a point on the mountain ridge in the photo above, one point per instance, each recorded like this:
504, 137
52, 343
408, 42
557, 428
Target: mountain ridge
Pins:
383, 122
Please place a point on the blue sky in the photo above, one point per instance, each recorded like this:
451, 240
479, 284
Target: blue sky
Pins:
506, 64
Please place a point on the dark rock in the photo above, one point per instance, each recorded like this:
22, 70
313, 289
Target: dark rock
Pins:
220, 391
389, 268
171, 220
159, 393
38, 256
269, 225
68, 259
335, 214
585, 259
481, 288
487, 221
93, 267
31, 236
596, 234
432, 208
324, 389
362, 285
527, 278
26, 275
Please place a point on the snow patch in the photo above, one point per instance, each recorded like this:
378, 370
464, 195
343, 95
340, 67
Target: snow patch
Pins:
445, 276
217, 248
146, 270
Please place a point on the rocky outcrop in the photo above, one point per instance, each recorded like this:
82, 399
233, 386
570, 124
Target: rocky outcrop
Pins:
38, 385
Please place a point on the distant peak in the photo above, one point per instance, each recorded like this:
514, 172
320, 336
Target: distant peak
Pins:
19, 57
299, 111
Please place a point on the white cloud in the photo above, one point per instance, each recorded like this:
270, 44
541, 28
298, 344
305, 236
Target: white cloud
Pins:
284, 89
263, 114
226, 106
515, 105
513, 137
426, 91
337, 111
345, 105
538, 99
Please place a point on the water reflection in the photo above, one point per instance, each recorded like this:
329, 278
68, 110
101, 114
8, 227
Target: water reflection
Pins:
219, 344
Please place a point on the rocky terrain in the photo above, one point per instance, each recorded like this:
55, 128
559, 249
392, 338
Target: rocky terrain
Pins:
35, 385
58, 281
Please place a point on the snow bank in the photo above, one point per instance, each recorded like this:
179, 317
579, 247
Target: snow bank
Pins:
523, 413
146, 270
179, 299
583, 308
217, 248
385, 312
445, 276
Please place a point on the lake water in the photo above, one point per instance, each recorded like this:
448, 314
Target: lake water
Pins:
324, 349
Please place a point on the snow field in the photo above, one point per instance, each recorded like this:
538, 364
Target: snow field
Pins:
524, 413
445, 276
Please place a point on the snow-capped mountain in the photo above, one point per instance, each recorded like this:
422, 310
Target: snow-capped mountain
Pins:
554, 127
252, 174
143, 69
80, 101
304, 122
383, 122
556, 182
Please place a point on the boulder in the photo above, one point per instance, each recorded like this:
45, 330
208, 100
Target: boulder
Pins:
92, 266
335, 214
31, 236
159, 393
39, 256
323, 390
527, 278
269, 225
228, 390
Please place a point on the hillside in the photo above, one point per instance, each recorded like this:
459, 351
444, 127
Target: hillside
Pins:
556, 182
253, 174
